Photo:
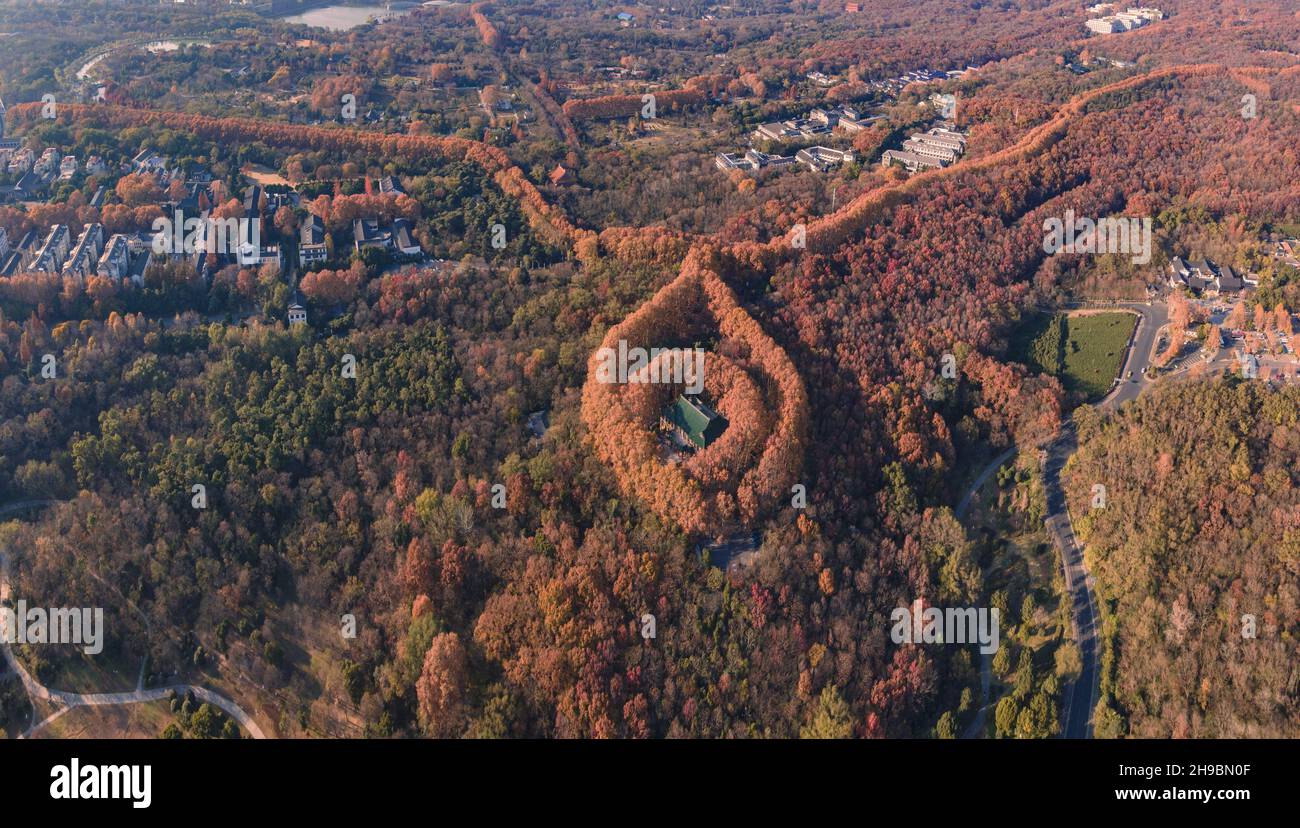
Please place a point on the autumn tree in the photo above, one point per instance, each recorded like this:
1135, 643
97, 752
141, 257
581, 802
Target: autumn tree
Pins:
441, 688
830, 719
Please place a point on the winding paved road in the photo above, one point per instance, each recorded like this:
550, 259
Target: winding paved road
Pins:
37, 691
1076, 715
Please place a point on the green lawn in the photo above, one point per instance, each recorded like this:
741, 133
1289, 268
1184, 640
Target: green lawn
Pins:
1085, 352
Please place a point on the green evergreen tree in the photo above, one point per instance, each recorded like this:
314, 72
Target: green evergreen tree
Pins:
831, 719
946, 727
1004, 717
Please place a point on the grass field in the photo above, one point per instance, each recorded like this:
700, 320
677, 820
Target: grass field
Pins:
1085, 351
119, 721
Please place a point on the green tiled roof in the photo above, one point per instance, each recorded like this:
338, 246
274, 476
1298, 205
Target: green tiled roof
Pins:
701, 424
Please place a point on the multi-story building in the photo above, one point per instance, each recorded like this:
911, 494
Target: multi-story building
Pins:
140, 252
938, 147
297, 313
115, 260
752, 160
47, 162
253, 201
1132, 18
252, 255
27, 249
1104, 25
932, 149
22, 161
54, 252
909, 160
311, 242
85, 254
822, 159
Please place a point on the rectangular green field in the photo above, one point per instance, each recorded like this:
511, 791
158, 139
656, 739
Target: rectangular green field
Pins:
1084, 351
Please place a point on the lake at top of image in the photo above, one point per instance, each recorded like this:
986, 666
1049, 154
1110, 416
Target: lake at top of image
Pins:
342, 18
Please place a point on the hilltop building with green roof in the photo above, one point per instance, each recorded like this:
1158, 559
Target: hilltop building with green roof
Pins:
695, 420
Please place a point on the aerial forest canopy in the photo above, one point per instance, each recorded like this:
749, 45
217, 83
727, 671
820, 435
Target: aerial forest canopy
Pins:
424, 446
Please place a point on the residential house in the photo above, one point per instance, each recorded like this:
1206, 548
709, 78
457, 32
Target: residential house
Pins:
390, 184
562, 175
1179, 272
253, 201
1288, 250
275, 199
366, 232
538, 422
1204, 276
148, 161
253, 255
403, 241
1227, 281
311, 242
297, 311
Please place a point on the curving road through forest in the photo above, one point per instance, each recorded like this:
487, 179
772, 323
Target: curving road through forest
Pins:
37, 691
1081, 695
